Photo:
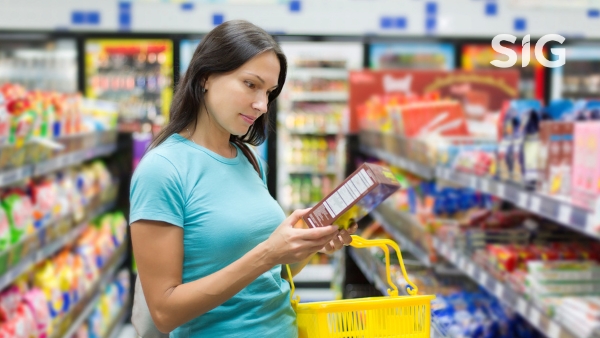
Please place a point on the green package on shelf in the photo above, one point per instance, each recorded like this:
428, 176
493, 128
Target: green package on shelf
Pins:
19, 211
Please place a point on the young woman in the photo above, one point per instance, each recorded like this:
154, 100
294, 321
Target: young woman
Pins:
208, 239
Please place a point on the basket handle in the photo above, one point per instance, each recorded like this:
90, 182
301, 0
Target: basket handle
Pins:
359, 242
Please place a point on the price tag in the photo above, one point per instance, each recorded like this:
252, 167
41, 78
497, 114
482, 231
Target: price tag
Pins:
471, 269
483, 277
522, 307
535, 316
473, 182
564, 213
453, 256
499, 290
462, 263
592, 223
536, 204
501, 190
554, 330
485, 185
522, 200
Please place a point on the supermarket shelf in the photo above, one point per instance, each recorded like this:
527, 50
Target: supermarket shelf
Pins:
49, 249
319, 96
405, 243
560, 211
315, 273
406, 164
504, 293
94, 294
314, 132
68, 160
11, 176
298, 169
117, 325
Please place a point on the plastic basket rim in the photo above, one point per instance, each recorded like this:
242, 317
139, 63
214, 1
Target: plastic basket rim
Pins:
360, 304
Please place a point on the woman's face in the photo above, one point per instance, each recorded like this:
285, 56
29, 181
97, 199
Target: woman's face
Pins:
236, 99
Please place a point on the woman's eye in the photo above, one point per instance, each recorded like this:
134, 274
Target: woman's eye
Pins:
249, 84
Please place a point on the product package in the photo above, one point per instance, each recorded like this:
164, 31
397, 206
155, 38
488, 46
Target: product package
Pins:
358, 195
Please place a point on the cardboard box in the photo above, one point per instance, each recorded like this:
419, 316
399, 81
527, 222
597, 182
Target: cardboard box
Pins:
556, 157
358, 195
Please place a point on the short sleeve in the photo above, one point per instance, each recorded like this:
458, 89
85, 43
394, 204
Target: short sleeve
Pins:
156, 192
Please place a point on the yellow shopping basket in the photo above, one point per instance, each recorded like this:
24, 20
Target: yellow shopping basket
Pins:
393, 316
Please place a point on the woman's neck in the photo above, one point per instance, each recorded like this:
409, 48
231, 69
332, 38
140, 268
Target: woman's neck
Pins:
210, 135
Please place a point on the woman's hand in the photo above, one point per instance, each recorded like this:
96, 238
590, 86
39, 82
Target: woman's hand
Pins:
341, 239
288, 245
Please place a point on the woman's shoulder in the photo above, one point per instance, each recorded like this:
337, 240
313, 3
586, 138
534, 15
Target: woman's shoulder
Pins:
164, 158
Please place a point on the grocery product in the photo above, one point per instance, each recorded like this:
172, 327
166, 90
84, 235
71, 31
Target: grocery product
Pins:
586, 164
360, 193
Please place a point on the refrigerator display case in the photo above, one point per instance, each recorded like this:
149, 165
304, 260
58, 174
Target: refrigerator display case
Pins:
186, 51
532, 76
312, 120
312, 125
137, 74
39, 62
579, 78
410, 55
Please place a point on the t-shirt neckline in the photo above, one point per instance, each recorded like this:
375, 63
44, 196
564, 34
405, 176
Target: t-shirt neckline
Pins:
209, 152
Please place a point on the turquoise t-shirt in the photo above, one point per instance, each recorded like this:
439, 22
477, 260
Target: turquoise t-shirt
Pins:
225, 210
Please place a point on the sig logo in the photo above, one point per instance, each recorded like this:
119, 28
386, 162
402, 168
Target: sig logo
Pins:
539, 51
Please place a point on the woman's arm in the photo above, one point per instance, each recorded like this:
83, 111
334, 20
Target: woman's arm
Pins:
158, 250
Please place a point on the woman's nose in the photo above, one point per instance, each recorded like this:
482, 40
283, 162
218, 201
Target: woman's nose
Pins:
260, 104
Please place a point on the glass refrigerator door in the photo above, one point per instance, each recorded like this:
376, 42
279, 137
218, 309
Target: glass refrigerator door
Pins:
39, 64
579, 78
137, 74
312, 120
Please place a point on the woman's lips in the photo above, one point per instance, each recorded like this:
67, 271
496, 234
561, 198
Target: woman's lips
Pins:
248, 119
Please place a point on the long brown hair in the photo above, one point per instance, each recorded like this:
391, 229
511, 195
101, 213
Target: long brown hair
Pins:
224, 49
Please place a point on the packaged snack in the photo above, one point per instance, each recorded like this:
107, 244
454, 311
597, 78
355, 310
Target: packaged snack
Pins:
36, 301
360, 193
19, 211
586, 165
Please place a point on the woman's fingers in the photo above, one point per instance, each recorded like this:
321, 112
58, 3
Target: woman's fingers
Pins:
345, 237
352, 229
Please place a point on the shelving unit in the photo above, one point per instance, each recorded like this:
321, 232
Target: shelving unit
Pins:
502, 291
14, 175
86, 305
560, 211
40, 254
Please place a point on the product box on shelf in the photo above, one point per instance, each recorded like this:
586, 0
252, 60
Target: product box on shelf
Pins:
586, 165
518, 150
556, 157
358, 195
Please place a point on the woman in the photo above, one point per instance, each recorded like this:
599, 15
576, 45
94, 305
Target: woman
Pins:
208, 239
